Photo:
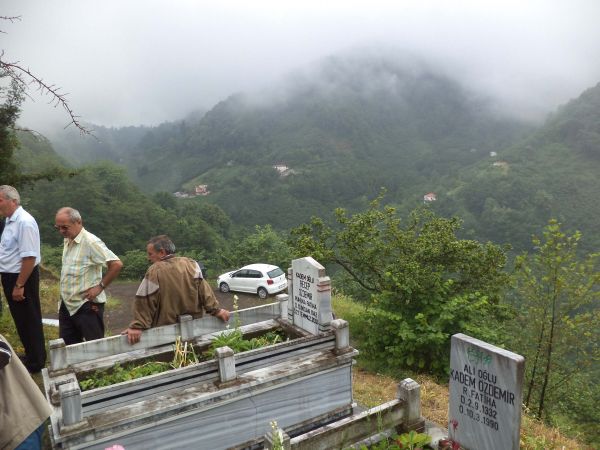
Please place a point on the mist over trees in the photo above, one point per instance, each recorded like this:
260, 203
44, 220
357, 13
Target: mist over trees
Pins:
356, 125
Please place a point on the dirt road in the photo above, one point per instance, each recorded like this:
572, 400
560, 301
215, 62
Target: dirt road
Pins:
117, 315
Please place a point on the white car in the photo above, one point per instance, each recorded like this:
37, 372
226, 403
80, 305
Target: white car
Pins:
262, 279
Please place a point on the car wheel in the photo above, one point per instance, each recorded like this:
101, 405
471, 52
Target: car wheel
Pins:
262, 293
224, 287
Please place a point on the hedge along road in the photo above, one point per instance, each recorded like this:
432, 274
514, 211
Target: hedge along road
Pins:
118, 314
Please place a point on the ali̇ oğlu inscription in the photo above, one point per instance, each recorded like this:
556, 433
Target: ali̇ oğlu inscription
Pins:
485, 395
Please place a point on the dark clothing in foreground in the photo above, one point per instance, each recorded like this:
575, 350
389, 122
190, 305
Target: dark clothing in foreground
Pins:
27, 315
1, 230
86, 324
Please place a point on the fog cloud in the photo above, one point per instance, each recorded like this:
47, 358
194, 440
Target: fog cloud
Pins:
147, 61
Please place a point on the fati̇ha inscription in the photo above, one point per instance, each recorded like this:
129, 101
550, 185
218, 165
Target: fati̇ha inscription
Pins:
305, 306
485, 395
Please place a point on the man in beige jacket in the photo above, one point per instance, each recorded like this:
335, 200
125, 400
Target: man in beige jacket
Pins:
173, 286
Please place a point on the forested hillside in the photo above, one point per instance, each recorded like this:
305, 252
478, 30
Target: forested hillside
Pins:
112, 206
553, 173
355, 125
345, 130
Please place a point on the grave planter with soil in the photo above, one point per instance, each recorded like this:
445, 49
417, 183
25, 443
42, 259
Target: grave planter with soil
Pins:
219, 403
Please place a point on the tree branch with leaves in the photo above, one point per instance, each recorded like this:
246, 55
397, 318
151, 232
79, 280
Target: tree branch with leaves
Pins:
15, 82
556, 293
420, 282
24, 77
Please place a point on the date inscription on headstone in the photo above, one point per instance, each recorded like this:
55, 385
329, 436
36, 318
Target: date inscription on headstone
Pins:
486, 390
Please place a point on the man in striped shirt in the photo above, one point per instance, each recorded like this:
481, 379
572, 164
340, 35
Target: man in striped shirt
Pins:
82, 284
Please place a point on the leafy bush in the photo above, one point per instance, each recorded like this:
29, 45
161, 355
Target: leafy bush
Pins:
420, 282
406, 441
264, 245
52, 257
135, 264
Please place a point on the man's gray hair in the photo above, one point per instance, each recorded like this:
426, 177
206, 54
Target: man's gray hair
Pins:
10, 193
71, 213
162, 242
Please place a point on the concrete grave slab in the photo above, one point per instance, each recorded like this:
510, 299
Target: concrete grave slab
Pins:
310, 295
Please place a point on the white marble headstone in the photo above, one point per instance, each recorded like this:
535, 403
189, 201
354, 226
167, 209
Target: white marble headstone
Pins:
486, 391
310, 307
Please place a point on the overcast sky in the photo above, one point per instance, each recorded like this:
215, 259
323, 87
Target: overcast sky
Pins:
134, 62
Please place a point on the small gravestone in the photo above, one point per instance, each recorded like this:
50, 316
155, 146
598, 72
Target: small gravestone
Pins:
310, 292
486, 391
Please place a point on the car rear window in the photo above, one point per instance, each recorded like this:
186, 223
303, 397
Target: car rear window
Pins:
275, 273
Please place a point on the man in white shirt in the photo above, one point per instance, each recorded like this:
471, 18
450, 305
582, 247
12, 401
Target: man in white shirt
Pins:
19, 271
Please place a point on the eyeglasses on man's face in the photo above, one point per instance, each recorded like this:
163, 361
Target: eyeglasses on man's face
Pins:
62, 227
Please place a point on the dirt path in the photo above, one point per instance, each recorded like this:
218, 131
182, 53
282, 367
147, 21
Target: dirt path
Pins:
117, 315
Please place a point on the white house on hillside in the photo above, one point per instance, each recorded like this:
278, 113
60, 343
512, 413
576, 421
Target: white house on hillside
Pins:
430, 197
202, 189
281, 168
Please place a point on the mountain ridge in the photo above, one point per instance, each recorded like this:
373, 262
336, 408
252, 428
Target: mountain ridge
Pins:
356, 125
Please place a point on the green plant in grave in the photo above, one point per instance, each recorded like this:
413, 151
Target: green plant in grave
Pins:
120, 374
234, 339
413, 440
406, 441
277, 437
183, 355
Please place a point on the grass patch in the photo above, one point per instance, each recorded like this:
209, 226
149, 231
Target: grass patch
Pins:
49, 297
48, 301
